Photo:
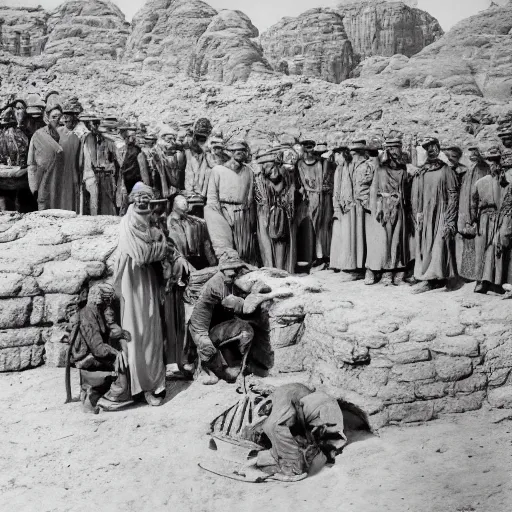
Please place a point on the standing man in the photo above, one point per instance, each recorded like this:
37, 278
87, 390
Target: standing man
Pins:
137, 286
491, 211
46, 163
434, 200
386, 229
229, 211
466, 230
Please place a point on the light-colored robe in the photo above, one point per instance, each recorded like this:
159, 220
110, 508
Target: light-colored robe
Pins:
229, 212
71, 145
137, 286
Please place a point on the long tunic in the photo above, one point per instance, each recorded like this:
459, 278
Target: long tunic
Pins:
465, 239
168, 171
386, 227
137, 286
492, 264
351, 202
314, 214
229, 212
434, 201
71, 145
46, 160
197, 173
275, 206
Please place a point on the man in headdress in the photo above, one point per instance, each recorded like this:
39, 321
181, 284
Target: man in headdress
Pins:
197, 170
35, 114
100, 169
352, 182
466, 230
136, 283
386, 226
314, 213
274, 195
435, 202
221, 338
46, 163
491, 211
229, 211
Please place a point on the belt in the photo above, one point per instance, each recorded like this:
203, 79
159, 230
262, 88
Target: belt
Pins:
231, 202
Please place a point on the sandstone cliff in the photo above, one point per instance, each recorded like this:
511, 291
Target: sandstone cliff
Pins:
226, 52
165, 32
314, 44
387, 28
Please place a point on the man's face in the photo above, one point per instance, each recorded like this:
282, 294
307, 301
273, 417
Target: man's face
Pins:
308, 149
130, 137
432, 151
395, 152
239, 155
141, 203
507, 141
200, 140
19, 112
180, 205
453, 157
54, 118
69, 121
474, 155
217, 150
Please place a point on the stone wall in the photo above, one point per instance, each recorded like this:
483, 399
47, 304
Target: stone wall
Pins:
45, 258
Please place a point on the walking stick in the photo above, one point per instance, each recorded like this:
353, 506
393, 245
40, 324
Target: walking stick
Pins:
74, 334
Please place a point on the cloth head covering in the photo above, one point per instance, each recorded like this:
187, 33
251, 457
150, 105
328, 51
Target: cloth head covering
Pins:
455, 149
427, 141
307, 142
168, 130
19, 100
393, 142
203, 127
237, 145
493, 153
34, 100
72, 106
358, 145
141, 188
231, 261
89, 116
216, 142
151, 137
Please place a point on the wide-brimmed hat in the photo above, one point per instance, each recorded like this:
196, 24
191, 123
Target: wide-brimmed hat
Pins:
393, 142
72, 107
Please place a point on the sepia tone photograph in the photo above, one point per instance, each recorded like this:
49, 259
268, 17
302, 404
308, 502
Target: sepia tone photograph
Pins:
256, 255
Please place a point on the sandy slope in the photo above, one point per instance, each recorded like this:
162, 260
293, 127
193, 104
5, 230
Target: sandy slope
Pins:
55, 458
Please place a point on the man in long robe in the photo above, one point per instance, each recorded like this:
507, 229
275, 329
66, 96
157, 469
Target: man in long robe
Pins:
46, 164
229, 211
466, 230
221, 338
314, 213
138, 288
386, 227
351, 200
434, 201
100, 169
491, 211
274, 193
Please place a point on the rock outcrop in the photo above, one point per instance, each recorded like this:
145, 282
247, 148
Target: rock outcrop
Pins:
226, 52
165, 32
95, 29
473, 58
314, 44
387, 28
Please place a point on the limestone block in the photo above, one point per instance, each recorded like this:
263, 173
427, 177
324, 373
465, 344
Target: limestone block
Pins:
477, 382
422, 335
387, 327
413, 372
500, 398
410, 413
380, 361
397, 393
10, 284
372, 340
37, 314
47, 235
288, 360
399, 337
453, 368
460, 403
11, 338
93, 248
20, 358
456, 330
56, 354
80, 227
14, 313
30, 288
62, 277
55, 307
411, 356
431, 390
459, 346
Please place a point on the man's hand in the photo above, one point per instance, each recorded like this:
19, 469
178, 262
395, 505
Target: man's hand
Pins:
206, 351
116, 332
232, 302
121, 363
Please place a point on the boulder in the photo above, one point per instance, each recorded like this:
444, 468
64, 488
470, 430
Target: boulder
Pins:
14, 313
411, 413
62, 277
226, 52
458, 346
451, 369
500, 398
93, 248
10, 284
314, 44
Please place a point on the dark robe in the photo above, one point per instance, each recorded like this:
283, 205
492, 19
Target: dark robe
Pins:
434, 201
490, 209
168, 172
386, 227
47, 158
130, 169
70, 143
466, 231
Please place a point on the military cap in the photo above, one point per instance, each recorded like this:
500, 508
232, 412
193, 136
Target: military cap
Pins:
427, 141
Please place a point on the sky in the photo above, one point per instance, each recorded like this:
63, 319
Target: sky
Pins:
265, 13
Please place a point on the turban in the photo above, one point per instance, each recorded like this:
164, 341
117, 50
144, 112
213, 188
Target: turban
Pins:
141, 188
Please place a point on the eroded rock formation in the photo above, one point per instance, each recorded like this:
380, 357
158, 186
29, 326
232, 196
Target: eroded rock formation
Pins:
314, 44
387, 28
226, 52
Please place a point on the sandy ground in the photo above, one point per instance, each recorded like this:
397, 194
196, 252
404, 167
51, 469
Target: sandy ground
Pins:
56, 458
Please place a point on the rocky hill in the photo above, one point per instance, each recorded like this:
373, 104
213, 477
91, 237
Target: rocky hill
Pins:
175, 57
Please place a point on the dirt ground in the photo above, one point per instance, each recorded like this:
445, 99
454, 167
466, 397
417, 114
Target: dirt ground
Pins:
56, 458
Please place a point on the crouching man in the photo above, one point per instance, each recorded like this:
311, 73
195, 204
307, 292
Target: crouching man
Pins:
305, 429
222, 339
99, 351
